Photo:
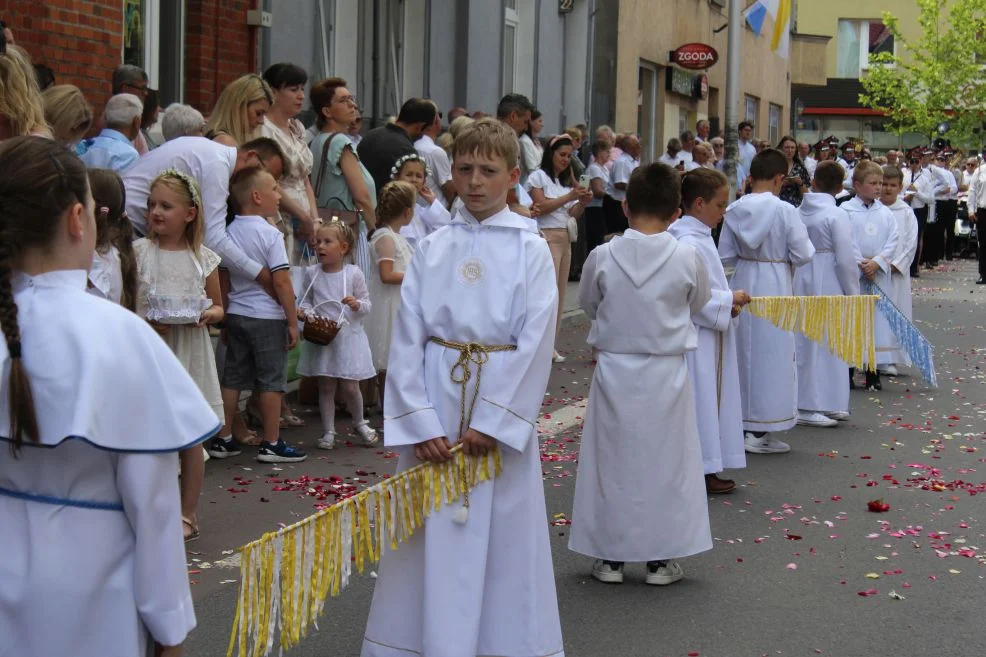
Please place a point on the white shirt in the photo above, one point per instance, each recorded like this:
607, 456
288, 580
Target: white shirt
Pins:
594, 171
558, 218
747, 151
947, 188
671, 161
622, 169
686, 156
439, 167
977, 190
211, 165
263, 242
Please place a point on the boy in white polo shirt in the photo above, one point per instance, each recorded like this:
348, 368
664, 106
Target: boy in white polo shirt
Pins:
260, 330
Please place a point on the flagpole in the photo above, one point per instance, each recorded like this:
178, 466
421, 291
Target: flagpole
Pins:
732, 91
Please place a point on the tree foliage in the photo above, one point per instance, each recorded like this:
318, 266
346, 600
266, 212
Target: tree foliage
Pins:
939, 77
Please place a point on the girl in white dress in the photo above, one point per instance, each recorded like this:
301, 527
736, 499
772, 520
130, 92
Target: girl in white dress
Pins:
392, 253
178, 294
337, 291
113, 274
93, 405
429, 213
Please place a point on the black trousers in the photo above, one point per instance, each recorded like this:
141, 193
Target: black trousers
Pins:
934, 234
952, 213
922, 217
595, 228
980, 225
616, 221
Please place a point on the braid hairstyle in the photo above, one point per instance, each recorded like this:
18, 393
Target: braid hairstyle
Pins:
113, 228
396, 198
39, 181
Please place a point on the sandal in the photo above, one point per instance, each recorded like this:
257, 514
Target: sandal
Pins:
292, 421
193, 531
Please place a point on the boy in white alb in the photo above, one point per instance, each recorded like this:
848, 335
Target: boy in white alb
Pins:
875, 233
823, 391
712, 366
763, 237
907, 244
259, 330
639, 495
479, 294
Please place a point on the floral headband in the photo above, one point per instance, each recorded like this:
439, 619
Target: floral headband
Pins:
187, 180
410, 157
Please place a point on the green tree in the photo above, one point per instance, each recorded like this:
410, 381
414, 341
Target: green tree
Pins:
936, 78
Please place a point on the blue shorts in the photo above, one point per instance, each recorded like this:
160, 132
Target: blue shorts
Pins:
256, 354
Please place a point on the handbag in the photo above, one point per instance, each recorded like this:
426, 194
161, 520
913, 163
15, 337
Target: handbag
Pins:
320, 330
573, 229
349, 217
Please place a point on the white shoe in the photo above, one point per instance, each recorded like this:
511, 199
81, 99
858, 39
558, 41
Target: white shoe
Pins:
557, 358
765, 445
607, 572
889, 370
659, 574
327, 441
810, 419
367, 433
840, 416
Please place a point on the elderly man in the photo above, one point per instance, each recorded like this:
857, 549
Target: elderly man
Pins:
181, 121
702, 129
113, 147
671, 156
127, 79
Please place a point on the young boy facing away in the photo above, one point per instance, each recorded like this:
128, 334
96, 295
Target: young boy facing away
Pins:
875, 233
907, 244
712, 366
480, 298
763, 237
260, 330
640, 494
823, 391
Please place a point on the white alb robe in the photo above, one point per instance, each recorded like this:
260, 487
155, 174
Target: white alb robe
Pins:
640, 491
765, 239
712, 366
427, 219
823, 384
900, 274
875, 234
90, 518
486, 587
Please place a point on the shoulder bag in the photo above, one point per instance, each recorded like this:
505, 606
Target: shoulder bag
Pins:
348, 217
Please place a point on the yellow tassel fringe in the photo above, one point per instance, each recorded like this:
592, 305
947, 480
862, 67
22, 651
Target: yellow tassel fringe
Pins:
843, 324
287, 575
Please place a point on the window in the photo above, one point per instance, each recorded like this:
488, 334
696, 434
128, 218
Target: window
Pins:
510, 20
774, 123
857, 40
751, 107
647, 110
518, 47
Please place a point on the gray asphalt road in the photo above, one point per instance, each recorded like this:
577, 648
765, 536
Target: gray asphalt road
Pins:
800, 567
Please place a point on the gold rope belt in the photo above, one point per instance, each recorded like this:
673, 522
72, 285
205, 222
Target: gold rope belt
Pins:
470, 353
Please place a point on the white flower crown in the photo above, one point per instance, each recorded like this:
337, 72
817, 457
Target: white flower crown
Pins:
187, 180
410, 157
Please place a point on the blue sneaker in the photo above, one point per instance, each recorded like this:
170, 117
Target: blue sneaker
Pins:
280, 452
220, 448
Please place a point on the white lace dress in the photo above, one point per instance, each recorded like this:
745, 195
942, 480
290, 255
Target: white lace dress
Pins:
348, 355
179, 273
385, 245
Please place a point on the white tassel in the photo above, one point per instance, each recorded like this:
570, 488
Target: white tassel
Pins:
461, 515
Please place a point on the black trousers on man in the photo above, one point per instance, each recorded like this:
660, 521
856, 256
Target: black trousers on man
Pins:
951, 214
922, 217
616, 221
980, 225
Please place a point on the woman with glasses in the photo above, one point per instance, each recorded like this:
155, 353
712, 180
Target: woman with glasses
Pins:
797, 180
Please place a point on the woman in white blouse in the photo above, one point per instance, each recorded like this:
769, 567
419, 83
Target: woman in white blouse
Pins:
531, 149
558, 197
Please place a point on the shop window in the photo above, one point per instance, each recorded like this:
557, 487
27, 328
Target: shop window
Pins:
751, 108
647, 110
857, 40
518, 47
774, 123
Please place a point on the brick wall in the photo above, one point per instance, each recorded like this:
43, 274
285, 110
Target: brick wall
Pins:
80, 40
220, 48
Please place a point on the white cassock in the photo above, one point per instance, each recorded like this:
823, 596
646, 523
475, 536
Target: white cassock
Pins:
427, 219
823, 382
900, 275
91, 517
640, 493
875, 233
485, 587
765, 239
712, 366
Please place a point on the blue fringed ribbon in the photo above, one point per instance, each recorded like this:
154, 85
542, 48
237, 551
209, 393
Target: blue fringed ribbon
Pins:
912, 342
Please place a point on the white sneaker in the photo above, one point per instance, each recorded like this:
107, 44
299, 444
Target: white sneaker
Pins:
367, 433
327, 441
765, 445
662, 574
557, 358
889, 370
810, 419
840, 416
607, 572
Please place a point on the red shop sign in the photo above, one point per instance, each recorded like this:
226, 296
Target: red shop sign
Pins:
695, 56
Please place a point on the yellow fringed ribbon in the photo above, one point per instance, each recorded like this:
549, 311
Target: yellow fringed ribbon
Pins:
286, 578
845, 325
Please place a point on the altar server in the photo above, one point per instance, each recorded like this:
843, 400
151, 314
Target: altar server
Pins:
907, 244
712, 366
763, 237
639, 495
480, 299
94, 407
823, 390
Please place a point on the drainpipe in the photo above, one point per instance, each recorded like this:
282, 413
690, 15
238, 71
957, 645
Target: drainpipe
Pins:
732, 91
590, 64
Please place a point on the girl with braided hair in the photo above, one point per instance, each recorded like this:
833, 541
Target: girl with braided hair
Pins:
93, 406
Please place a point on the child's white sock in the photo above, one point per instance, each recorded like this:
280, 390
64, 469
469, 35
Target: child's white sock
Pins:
327, 403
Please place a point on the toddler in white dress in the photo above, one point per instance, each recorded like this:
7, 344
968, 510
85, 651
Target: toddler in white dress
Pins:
336, 291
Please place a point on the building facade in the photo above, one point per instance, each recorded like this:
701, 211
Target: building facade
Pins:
636, 88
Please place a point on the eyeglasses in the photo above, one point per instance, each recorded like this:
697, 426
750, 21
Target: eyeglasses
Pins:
915, 160
141, 90
348, 100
